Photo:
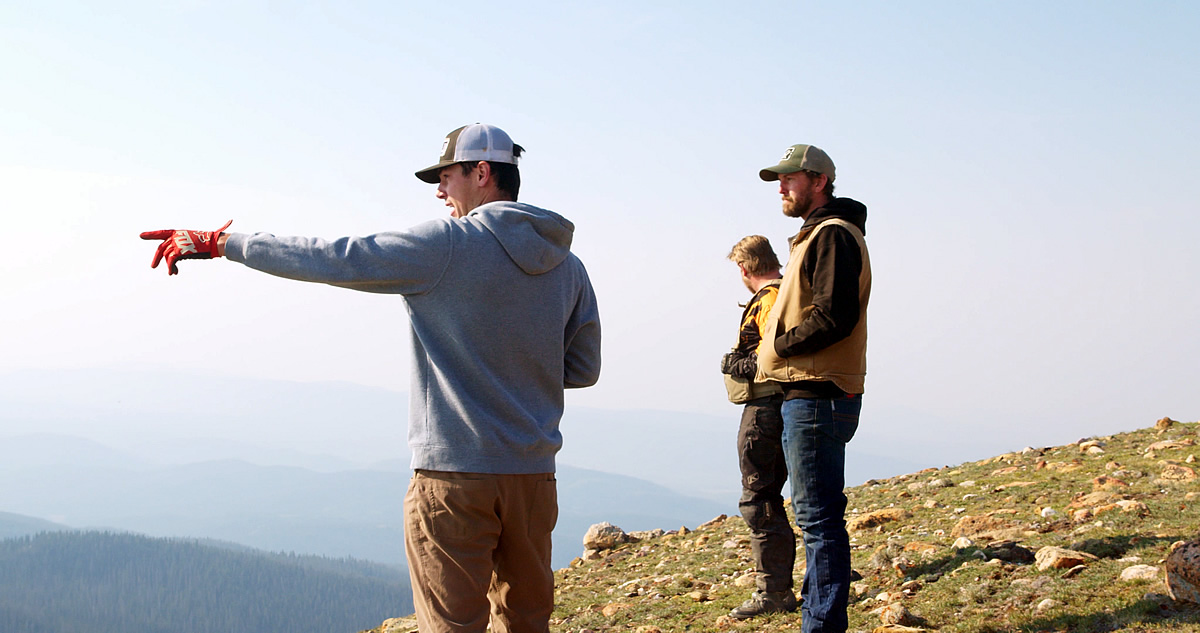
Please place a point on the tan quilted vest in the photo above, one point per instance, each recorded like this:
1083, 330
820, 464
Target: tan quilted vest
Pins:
845, 362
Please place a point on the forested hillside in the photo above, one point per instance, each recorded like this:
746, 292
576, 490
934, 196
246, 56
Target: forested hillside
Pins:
121, 583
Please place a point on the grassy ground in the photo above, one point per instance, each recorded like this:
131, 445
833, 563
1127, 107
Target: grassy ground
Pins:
1062, 496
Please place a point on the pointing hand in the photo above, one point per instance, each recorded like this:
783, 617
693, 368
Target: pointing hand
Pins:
183, 244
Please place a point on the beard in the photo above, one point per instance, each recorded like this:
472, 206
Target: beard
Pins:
797, 208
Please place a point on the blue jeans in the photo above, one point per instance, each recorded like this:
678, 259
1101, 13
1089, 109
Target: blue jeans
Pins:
815, 433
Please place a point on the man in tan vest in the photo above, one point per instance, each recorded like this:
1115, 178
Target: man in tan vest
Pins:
818, 355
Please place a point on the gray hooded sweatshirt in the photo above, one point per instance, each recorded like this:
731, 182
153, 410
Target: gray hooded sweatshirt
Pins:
503, 318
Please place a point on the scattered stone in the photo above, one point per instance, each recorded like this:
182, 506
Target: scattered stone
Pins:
876, 518
613, 608
941, 483
1010, 552
1051, 557
922, 549
648, 629
862, 590
645, 535
1065, 467
963, 542
399, 625
1105, 482
970, 526
902, 566
725, 622
713, 522
1108, 507
1176, 473
1164, 424
1134, 507
699, 596
1093, 499
1074, 571
1183, 572
897, 614
884, 555
897, 628
1046, 605
1170, 444
1139, 572
602, 536
1049, 513
911, 587
1086, 447
746, 580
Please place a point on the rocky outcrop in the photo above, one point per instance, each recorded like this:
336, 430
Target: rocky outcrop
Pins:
1183, 572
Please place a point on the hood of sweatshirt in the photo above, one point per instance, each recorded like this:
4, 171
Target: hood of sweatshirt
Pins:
846, 209
535, 239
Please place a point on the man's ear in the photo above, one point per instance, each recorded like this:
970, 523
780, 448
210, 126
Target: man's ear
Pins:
819, 183
742, 267
483, 173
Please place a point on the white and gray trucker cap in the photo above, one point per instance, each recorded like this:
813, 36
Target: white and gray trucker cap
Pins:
470, 143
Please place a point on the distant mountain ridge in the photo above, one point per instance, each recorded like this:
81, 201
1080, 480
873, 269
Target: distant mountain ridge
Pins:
68, 582
283, 508
12, 525
333, 426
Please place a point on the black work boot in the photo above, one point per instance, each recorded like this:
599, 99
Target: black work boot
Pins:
764, 602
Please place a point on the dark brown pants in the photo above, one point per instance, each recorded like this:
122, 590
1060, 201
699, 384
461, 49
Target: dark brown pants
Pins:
478, 549
760, 455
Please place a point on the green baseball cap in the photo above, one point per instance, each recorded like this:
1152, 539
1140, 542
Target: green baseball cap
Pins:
800, 158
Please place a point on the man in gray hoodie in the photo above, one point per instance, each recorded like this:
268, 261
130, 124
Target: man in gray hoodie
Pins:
503, 318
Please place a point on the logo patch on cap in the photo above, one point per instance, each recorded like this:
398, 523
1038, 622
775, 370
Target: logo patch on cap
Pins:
788, 153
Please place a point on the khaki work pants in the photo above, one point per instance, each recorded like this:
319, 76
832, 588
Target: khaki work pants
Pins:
478, 549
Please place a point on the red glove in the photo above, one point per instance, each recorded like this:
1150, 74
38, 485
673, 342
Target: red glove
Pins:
177, 245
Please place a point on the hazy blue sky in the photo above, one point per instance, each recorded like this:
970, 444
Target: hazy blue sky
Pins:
1029, 168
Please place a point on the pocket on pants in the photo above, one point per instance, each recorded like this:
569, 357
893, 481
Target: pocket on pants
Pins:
543, 516
845, 418
456, 509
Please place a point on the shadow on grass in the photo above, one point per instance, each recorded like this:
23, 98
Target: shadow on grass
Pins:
1152, 613
1118, 546
1110, 547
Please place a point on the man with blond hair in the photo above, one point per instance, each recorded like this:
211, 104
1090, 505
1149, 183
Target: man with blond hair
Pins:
759, 440
816, 350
